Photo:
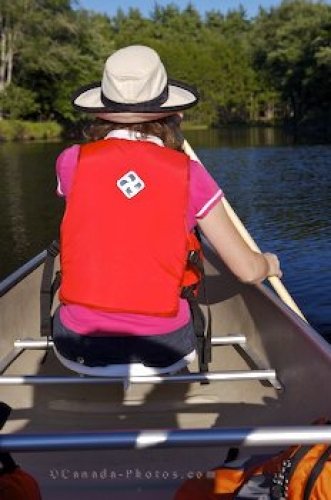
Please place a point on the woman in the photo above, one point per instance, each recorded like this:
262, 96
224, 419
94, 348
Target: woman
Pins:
132, 202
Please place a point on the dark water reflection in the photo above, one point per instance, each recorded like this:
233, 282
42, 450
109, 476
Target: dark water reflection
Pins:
238, 137
280, 191
29, 210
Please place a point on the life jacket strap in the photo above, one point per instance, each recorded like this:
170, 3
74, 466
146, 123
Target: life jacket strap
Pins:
201, 325
48, 289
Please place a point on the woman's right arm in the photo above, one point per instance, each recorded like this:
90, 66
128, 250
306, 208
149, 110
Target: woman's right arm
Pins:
247, 265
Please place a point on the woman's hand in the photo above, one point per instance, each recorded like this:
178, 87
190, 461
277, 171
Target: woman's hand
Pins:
273, 265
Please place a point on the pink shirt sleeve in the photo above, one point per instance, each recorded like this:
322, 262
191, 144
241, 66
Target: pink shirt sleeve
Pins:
65, 168
203, 195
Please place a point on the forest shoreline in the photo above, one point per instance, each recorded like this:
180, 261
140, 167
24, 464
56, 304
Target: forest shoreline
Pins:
24, 131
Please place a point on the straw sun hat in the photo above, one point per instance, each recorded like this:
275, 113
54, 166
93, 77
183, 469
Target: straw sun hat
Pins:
135, 88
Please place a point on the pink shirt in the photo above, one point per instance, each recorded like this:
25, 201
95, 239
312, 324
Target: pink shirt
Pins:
204, 193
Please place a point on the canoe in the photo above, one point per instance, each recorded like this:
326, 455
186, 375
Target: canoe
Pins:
90, 437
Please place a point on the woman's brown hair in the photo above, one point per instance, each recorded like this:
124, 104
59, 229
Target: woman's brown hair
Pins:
167, 129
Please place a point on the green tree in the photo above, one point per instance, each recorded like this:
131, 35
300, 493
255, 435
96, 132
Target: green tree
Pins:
14, 17
132, 28
62, 49
243, 68
92, 43
18, 102
292, 50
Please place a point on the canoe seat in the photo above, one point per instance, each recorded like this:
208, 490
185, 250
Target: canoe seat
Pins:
123, 370
137, 373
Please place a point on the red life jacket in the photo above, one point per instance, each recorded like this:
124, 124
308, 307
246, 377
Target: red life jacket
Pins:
124, 237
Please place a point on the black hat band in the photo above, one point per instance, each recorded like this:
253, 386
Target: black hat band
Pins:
141, 106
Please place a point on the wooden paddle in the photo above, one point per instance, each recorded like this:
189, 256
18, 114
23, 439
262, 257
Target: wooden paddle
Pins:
274, 281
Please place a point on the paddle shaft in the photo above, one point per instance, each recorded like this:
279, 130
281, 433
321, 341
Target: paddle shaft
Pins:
274, 281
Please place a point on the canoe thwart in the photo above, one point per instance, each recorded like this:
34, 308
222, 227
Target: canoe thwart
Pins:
165, 438
219, 376
46, 343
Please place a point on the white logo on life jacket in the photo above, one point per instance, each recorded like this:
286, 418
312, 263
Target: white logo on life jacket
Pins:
130, 184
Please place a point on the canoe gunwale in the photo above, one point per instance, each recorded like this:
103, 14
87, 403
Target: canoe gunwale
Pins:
319, 342
22, 272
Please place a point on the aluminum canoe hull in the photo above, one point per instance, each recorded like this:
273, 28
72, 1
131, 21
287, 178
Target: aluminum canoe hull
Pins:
273, 338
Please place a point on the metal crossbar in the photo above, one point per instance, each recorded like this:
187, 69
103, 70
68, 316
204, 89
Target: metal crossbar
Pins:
229, 376
47, 344
164, 438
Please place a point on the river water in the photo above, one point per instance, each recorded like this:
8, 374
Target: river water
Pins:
280, 191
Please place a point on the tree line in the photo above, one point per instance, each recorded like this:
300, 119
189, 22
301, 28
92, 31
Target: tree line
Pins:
274, 68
